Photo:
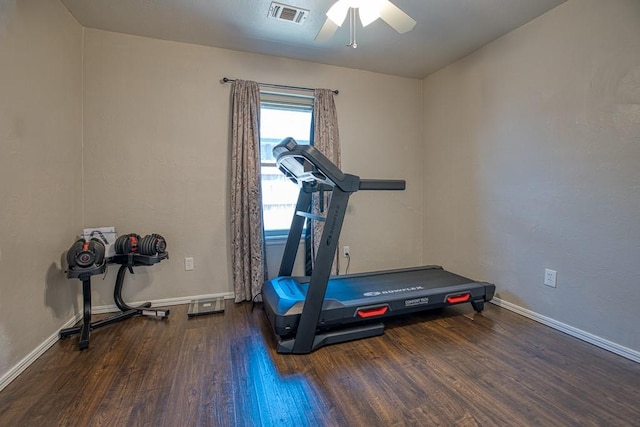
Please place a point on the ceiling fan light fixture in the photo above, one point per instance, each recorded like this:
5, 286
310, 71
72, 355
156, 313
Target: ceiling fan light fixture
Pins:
369, 13
368, 10
338, 12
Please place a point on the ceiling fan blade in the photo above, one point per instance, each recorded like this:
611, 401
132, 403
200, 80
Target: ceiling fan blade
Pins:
327, 31
395, 17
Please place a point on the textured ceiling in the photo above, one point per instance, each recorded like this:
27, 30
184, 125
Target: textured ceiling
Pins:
445, 31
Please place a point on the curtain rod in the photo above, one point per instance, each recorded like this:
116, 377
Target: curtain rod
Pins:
227, 80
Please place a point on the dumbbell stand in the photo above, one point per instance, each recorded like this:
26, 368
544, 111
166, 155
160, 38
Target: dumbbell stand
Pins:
84, 274
127, 263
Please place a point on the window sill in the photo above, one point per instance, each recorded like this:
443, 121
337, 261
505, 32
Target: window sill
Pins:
278, 239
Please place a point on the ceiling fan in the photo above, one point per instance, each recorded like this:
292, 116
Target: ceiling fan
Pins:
368, 11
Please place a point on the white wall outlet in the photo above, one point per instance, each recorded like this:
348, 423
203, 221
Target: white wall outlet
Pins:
188, 264
346, 251
550, 277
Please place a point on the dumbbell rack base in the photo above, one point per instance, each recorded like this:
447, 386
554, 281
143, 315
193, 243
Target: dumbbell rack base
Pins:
127, 262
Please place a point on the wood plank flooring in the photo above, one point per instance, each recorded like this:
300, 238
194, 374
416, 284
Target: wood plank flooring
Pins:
451, 368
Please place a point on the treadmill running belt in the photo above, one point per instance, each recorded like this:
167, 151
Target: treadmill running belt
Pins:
401, 291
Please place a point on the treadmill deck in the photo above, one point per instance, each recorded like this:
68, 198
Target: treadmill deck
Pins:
368, 296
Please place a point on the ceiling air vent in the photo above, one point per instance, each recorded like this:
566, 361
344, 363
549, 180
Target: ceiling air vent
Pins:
287, 13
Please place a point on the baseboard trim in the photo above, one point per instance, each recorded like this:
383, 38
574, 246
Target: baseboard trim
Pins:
570, 330
161, 302
13, 373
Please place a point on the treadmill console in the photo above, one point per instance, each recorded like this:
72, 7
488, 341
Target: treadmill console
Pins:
304, 163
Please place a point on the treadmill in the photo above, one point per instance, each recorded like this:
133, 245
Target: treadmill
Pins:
309, 312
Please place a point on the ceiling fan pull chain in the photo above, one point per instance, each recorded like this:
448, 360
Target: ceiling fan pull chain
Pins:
352, 28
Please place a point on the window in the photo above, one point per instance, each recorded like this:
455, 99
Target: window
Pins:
281, 115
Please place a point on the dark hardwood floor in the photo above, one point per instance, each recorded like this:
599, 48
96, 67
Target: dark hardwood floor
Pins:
448, 368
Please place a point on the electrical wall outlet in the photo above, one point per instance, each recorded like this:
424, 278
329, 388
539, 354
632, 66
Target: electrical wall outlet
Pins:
188, 264
550, 277
346, 252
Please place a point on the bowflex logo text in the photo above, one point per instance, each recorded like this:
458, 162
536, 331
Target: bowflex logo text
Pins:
392, 291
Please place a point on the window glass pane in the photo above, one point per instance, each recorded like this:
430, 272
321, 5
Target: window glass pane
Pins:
279, 197
279, 194
279, 123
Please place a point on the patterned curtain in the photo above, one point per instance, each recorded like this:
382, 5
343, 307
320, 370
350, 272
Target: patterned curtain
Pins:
327, 141
247, 241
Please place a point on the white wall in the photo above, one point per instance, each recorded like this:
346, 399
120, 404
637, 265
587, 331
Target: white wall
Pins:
532, 160
156, 137
40, 171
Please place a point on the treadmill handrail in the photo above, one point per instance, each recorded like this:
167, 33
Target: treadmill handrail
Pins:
291, 156
382, 184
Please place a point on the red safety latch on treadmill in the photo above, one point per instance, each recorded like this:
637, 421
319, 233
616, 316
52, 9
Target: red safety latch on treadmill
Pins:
372, 312
455, 299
